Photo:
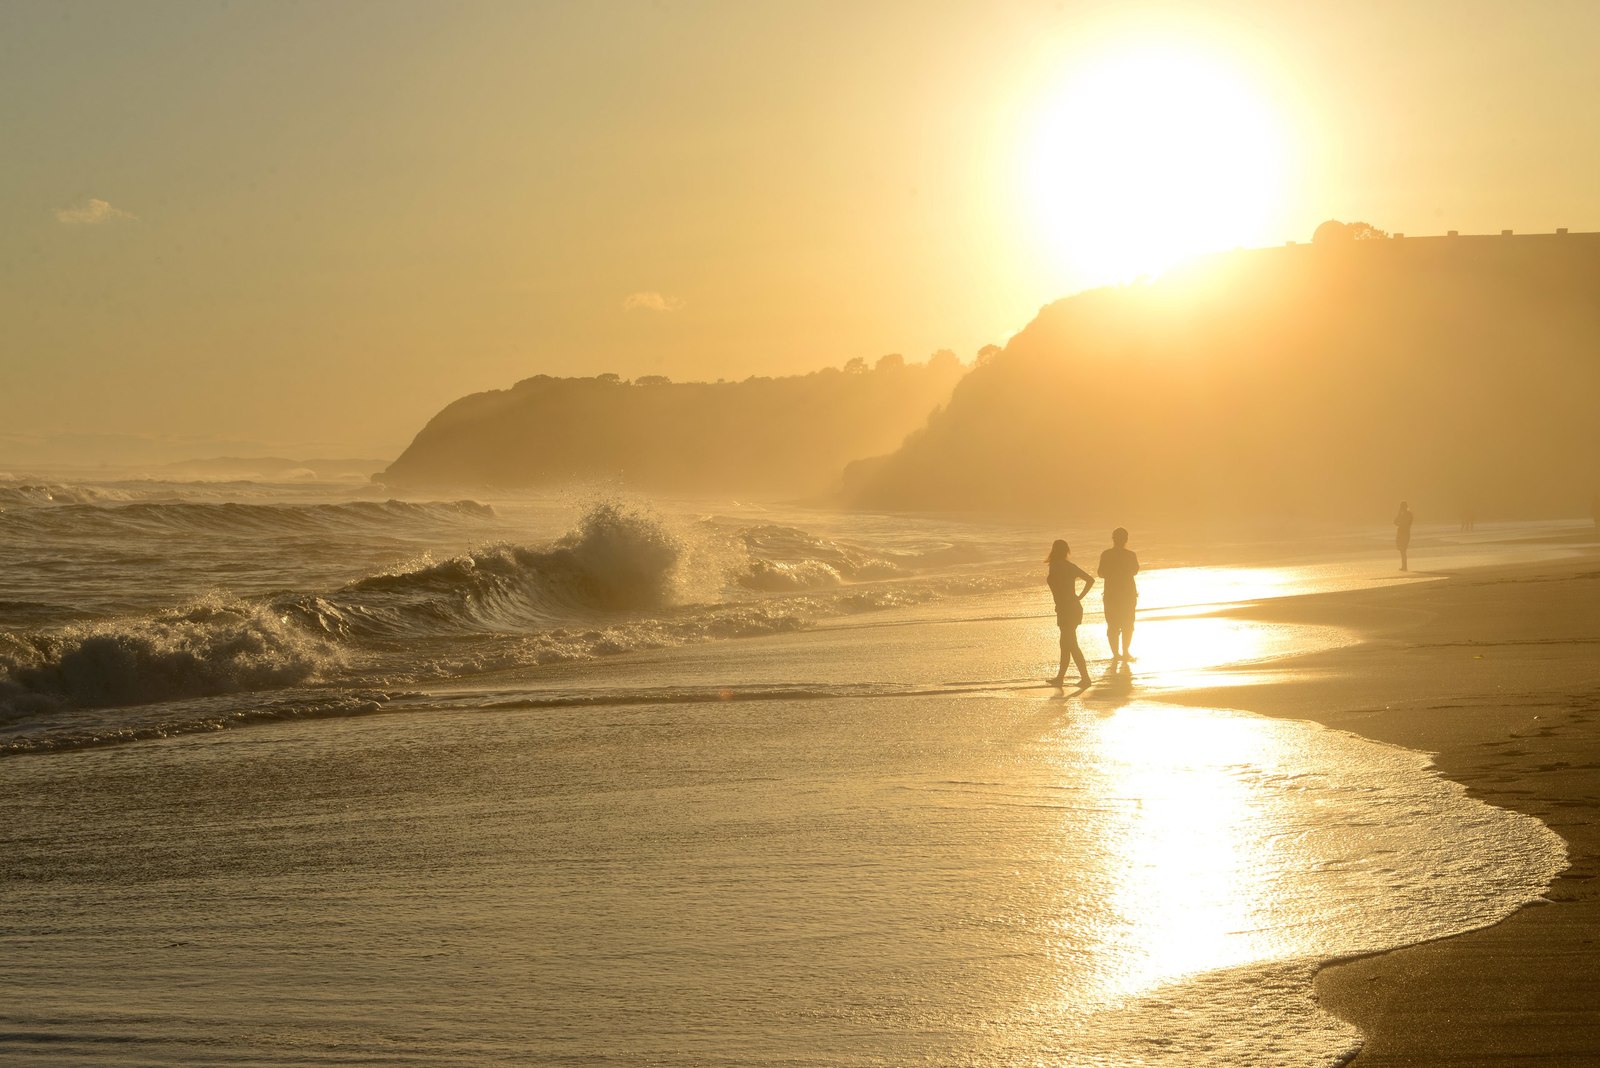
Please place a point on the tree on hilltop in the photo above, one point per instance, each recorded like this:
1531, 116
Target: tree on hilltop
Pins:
1335, 232
1330, 232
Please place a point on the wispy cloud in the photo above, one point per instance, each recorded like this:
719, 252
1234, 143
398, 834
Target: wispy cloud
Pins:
93, 212
651, 302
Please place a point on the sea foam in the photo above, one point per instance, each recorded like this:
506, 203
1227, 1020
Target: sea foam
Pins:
215, 645
625, 578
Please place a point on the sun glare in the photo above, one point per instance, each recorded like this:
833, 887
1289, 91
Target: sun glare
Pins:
1148, 157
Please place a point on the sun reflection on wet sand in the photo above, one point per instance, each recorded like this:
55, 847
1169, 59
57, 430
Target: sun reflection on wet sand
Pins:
1192, 844
1180, 638
1193, 852
1181, 650
1195, 843
1183, 587
1215, 857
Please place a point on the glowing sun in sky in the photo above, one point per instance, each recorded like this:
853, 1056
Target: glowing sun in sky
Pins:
1144, 157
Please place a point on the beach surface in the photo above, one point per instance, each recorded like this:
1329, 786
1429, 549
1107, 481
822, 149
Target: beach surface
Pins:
437, 783
1496, 671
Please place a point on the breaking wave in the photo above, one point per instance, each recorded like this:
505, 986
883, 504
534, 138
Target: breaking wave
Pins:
625, 579
18, 493
788, 558
214, 646
618, 560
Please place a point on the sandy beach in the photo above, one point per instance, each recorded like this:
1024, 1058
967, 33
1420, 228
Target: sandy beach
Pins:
1496, 672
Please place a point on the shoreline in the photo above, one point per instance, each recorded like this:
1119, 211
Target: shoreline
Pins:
1495, 671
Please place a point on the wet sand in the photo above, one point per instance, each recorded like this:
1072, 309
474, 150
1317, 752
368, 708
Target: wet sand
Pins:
1497, 672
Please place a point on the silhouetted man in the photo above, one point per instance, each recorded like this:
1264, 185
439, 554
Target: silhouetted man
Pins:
1118, 565
1402, 532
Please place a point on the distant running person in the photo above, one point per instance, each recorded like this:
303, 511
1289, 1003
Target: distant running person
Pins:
1118, 565
1063, 579
1402, 532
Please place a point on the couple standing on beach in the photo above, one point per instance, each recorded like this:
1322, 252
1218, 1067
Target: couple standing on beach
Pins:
1118, 565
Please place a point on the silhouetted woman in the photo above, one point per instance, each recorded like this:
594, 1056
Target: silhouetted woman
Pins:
1402, 532
1063, 580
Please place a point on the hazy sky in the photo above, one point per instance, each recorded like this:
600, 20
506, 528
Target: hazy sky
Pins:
306, 227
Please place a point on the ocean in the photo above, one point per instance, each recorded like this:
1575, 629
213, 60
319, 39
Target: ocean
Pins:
296, 774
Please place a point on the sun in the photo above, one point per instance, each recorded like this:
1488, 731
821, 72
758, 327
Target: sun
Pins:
1148, 156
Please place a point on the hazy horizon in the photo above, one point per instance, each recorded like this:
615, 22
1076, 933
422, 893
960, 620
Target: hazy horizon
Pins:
337, 220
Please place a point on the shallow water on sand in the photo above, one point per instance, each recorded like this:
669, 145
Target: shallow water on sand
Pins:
872, 838
990, 875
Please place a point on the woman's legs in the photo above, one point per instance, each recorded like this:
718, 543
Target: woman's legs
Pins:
1070, 652
1069, 649
1066, 654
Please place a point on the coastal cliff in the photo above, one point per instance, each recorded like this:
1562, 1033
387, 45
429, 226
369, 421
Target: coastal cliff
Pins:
1462, 373
762, 436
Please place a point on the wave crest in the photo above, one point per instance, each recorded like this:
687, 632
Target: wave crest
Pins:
623, 579
16, 493
618, 559
214, 646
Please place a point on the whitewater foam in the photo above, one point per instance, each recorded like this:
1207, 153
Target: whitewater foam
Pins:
625, 579
213, 646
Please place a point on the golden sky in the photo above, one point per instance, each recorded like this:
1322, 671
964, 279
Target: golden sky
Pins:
307, 226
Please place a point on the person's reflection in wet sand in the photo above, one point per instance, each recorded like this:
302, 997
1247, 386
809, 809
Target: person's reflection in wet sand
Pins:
1118, 682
